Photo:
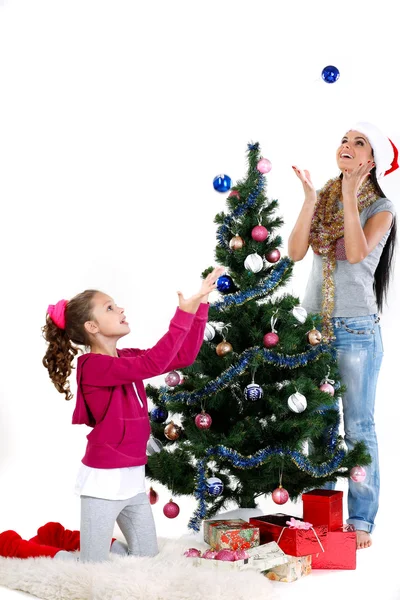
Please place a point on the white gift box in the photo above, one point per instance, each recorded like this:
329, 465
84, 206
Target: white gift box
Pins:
260, 558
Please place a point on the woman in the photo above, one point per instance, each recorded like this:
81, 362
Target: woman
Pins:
351, 228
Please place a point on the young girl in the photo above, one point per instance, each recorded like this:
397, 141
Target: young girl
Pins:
111, 399
351, 228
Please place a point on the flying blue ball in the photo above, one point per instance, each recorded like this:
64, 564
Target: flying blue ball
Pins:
215, 487
330, 74
253, 392
159, 414
222, 183
224, 283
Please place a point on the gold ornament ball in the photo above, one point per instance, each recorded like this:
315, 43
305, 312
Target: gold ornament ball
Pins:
172, 431
314, 337
236, 243
223, 348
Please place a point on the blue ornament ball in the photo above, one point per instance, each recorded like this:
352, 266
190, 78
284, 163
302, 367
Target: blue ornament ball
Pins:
253, 392
159, 414
224, 283
222, 183
330, 74
215, 487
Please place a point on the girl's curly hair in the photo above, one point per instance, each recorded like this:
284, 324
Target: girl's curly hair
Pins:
63, 344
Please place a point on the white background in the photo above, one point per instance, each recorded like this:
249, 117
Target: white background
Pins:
115, 116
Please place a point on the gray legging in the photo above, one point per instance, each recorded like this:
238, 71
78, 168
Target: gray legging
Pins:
134, 518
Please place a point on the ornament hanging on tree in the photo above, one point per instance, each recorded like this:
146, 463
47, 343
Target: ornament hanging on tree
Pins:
172, 431
259, 233
264, 165
171, 509
154, 446
234, 194
215, 487
280, 495
203, 420
300, 314
236, 243
297, 402
271, 339
209, 333
159, 414
254, 263
223, 348
153, 496
327, 384
314, 337
253, 392
273, 256
172, 379
222, 183
358, 474
225, 284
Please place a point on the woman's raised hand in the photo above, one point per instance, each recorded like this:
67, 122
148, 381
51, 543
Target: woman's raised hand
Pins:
191, 304
308, 185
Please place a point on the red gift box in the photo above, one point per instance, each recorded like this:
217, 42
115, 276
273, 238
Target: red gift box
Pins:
324, 507
295, 542
340, 550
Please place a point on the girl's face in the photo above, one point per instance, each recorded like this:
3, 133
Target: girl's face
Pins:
354, 149
108, 318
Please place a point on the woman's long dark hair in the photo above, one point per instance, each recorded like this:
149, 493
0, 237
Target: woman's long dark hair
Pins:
386, 262
383, 271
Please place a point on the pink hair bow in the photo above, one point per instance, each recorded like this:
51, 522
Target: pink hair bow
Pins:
297, 524
56, 313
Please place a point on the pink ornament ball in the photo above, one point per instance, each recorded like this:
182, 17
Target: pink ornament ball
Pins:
171, 510
358, 474
241, 554
280, 495
209, 554
235, 194
273, 256
259, 233
270, 339
225, 555
327, 387
264, 165
192, 552
172, 379
203, 421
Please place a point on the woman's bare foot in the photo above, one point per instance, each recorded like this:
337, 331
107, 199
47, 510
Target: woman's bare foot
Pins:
363, 539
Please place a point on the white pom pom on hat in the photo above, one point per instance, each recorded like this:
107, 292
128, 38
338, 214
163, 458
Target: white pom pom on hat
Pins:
385, 152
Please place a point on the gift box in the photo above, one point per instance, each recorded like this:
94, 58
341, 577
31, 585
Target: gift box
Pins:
260, 558
297, 539
296, 567
234, 536
340, 550
209, 524
324, 507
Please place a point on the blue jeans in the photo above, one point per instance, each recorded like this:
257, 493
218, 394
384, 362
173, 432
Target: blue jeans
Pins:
359, 352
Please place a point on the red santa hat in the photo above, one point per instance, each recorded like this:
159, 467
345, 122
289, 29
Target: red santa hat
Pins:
385, 152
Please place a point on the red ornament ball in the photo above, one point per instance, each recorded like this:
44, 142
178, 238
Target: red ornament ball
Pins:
203, 420
259, 233
235, 194
280, 495
153, 496
328, 388
273, 256
171, 510
270, 339
358, 474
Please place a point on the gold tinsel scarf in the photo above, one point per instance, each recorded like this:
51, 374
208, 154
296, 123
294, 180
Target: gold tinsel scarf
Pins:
327, 226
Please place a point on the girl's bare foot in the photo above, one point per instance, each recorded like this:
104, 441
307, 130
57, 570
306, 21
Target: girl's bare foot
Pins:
363, 539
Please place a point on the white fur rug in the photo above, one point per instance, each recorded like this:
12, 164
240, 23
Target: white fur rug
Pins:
168, 576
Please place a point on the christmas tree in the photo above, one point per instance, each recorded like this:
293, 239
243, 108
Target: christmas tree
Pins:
258, 409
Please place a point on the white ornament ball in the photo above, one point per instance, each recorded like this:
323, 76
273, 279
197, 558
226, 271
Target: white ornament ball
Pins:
209, 333
254, 263
297, 402
300, 314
